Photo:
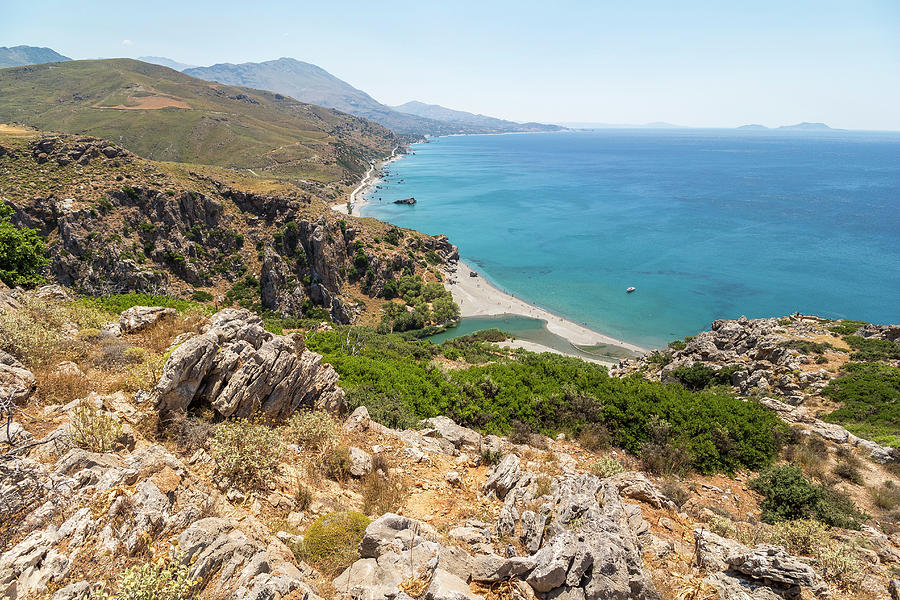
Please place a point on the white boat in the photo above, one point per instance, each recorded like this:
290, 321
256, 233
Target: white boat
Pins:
629, 290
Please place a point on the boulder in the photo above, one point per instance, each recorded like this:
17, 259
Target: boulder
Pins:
772, 563
238, 368
358, 421
634, 484
138, 318
16, 382
461, 437
503, 477
360, 462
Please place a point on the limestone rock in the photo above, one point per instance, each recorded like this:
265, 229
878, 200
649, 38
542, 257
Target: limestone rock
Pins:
461, 437
772, 563
16, 382
634, 484
358, 421
360, 462
504, 476
138, 318
239, 368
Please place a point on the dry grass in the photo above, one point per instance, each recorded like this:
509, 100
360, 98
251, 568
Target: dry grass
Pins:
383, 493
61, 388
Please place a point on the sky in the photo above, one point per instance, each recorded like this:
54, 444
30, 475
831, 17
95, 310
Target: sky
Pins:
689, 62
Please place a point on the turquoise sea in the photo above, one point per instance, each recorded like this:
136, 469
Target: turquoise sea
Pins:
706, 224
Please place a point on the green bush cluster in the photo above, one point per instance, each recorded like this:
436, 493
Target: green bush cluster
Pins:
700, 375
22, 252
166, 579
549, 393
846, 327
870, 398
788, 495
872, 349
116, 303
430, 302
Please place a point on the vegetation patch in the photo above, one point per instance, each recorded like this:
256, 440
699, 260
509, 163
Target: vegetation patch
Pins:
331, 543
116, 303
246, 453
870, 398
22, 252
788, 495
872, 349
548, 393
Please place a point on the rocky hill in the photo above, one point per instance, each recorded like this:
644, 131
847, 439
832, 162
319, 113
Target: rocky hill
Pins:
469, 121
118, 223
231, 469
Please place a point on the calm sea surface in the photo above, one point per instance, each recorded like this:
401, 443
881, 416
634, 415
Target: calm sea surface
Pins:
706, 224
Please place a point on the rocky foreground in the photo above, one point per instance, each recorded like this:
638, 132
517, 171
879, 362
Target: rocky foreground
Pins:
480, 518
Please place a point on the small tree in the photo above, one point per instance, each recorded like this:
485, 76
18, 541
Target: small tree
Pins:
22, 252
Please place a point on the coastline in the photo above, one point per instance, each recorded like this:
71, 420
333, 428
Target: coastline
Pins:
477, 297
372, 178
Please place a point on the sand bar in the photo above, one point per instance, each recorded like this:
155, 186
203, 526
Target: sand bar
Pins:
477, 297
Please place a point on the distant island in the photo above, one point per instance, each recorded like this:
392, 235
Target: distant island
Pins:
752, 126
808, 127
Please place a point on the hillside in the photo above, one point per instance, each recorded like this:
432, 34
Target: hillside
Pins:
312, 84
165, 115
116, 223
28, 55
469, 120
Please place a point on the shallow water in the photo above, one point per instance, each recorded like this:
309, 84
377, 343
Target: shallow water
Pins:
706, 224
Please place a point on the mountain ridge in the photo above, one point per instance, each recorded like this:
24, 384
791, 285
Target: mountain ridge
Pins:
17, 56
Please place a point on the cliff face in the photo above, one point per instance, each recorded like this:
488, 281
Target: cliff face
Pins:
119, 223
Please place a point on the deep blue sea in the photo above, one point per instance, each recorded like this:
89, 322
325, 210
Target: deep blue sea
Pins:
706, 224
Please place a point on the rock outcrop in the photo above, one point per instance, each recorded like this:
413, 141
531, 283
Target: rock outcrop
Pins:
238, 368
138, 318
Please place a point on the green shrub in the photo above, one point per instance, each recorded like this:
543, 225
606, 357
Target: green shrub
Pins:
803, 536
116, 303
846, 327
246, 453
94, 430
699, 375
871, 349
849, 469
607, 467
22, 252
201, 296
331, 543
870, 395
788, 495
549, 393
159, 580
659, 359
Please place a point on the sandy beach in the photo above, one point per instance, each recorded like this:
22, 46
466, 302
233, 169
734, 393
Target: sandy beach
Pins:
357, 198
476, 297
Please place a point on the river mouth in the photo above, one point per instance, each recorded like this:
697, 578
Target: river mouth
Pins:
532, 330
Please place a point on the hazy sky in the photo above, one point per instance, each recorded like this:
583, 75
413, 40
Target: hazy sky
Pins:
691, 62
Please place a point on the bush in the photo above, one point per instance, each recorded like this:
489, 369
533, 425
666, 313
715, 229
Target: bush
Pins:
116, 303
94, 430
871, 349
870, 395
886, 496
662, 454
382, 493
594, 437
22, 252
607, 467
807, 346
675, 492
331, 543
246, 453
335, 463
677, 345
659, 359
802, 536
699, 375
548, 393
845, 327
848, 469
201, 296
312, 430
160, 580
787, 495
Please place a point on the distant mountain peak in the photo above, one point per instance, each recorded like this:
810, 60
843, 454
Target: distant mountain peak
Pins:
166, 62
753, 126
470, 120
18, 56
